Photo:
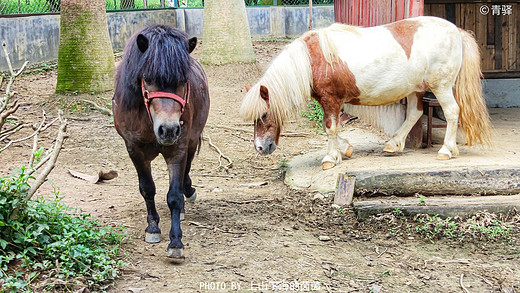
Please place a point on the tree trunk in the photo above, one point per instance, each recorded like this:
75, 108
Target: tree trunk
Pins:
226, 37
85, 57
127, 4
54, 5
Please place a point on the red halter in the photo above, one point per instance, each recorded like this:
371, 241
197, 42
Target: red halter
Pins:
148, 96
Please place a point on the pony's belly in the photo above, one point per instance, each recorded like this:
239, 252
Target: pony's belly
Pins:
381, 98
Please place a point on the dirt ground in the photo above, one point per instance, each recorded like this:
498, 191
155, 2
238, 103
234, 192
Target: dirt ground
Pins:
247, 231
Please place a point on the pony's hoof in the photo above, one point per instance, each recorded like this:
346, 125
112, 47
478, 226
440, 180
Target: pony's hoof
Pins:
192, 198
181, 216
152, 237
327, 165
443, 157
349, 152
389, 149
176, 255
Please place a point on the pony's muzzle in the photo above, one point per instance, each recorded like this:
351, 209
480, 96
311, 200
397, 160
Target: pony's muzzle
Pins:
168, 133
265, 147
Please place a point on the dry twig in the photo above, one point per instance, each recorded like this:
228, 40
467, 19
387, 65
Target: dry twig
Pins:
8, 94
100, 108
221, 155
249, 201
62, 135
462, 285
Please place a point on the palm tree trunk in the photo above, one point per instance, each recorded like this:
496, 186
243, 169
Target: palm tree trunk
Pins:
85, 57
226, 37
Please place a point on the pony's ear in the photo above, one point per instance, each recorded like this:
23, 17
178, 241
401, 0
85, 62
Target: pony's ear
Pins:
192, 44
264, 93
248, 87
142, 43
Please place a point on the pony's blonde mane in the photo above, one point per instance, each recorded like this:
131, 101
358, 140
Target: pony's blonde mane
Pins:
289, 77
289, 81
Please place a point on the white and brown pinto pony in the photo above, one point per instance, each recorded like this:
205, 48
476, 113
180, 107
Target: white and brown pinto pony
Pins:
373, 66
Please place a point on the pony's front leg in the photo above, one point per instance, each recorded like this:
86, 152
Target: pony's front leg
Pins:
337, 146
175, 200
414, 111
147, 190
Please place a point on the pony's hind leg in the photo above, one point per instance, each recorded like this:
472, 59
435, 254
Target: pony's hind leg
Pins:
147, 190
451, 112
414, 111
189, 192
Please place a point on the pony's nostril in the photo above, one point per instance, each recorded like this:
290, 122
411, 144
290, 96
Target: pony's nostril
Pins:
260, 148
270, 148
161, 131
177, 130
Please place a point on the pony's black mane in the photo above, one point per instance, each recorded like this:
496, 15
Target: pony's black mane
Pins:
165, 64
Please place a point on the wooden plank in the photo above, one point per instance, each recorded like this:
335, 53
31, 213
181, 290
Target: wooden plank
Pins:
502, 74
344, 190
438, 10
469, 19
511, 37
480, 35
427, 9
516, 32
498, 42
450, 12
458, 16
443, 206
445, 182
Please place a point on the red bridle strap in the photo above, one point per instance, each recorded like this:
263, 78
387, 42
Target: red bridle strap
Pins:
148, 96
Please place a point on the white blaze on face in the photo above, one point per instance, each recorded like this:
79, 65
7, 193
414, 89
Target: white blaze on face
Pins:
166, 114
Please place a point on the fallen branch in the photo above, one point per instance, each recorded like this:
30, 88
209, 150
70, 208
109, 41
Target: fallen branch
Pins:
62, 135
100, 108
221, 155
27, 137
5, 134
199, 225
249, 201
8, 93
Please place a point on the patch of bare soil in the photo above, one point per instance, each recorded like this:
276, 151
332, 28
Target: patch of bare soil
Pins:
247, 230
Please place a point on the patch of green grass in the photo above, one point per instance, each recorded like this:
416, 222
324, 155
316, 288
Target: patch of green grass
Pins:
44, 240
483, 226
282, 163
314, 113
422, 201
43, 68
434, 227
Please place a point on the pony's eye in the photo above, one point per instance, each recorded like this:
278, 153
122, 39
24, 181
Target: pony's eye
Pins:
264, 116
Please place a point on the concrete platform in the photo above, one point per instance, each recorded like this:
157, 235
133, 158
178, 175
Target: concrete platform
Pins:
499, 165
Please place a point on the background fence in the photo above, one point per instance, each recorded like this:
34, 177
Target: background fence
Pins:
53, 6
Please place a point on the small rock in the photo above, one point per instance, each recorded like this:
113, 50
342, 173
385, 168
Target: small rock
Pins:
376, 288
217, 190
335, 206
324, 238
318, 196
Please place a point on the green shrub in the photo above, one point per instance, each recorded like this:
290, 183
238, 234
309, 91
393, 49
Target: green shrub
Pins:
40, 239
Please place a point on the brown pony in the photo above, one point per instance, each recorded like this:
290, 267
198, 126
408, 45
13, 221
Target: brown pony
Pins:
373, 66
160, 105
